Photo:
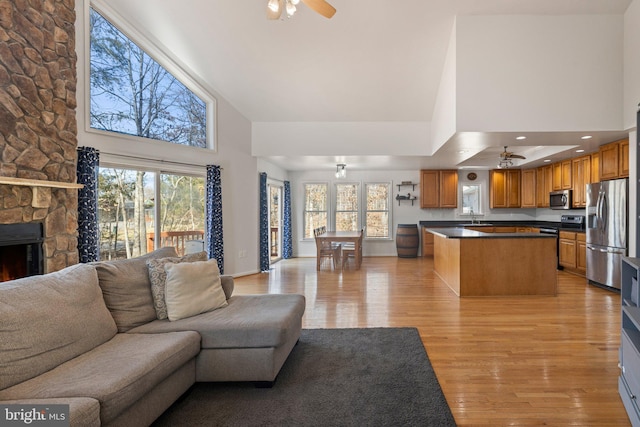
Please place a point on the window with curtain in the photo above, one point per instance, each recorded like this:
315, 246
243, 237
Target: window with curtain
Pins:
128, 201
347, 207
132, 94
377, 212
316, 198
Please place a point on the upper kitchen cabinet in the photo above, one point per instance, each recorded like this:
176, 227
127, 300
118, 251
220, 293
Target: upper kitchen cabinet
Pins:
544, 185
595, 167
439, 189
581, 175
528, 189
504, 188
562, 175
614, 159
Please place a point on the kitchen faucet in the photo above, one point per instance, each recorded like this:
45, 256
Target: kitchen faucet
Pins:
473, 216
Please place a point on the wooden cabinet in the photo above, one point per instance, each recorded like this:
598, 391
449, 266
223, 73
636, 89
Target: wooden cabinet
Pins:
567, 179
581, 252
504, 229
449, 189
438, 188
581, 177
623, 166
572, 251
595, 167
528, 189
504, 188
427, 243
614, 159
556, 178
544, 185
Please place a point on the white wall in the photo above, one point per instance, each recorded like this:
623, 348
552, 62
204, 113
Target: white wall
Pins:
539, 73
239, 182
341, 138
443, 122
631, 64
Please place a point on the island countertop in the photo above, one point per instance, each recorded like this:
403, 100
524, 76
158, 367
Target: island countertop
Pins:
465, 233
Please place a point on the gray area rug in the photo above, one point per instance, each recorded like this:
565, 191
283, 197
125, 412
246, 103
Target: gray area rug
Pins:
333, 377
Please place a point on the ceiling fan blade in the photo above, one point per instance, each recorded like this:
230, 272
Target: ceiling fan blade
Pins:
321, 7
517, 156
275, 15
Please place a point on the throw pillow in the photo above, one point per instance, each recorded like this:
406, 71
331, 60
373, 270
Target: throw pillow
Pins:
158, 277
193, 288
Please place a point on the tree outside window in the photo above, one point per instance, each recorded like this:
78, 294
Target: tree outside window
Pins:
130, 93
347, 207
315, 207
127, 205
377, 218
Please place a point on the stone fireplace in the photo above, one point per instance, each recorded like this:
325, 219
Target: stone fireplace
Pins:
38, 129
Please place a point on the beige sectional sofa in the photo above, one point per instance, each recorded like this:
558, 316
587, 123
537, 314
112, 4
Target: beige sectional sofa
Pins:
89, 336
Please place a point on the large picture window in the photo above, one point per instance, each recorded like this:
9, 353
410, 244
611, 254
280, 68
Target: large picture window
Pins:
315, 207
377, 218
127, 210
132, 94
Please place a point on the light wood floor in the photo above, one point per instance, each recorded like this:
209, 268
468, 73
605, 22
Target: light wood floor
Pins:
500, 361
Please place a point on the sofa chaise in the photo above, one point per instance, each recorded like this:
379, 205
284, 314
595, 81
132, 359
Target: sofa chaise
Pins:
92, 336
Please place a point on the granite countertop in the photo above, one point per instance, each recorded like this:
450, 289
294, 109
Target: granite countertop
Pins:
464, 233
499, 223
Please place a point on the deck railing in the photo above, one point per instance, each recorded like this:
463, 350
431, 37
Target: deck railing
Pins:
176, 239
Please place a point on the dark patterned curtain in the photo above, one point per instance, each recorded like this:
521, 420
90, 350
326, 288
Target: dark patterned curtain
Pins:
215, 246
287, 238
264, 224
87, 175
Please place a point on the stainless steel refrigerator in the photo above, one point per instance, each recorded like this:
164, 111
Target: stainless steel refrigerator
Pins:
607, 234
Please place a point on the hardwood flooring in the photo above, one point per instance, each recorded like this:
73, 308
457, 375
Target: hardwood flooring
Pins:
525, 361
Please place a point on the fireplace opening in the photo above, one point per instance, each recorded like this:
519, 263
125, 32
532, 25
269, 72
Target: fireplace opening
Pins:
20, 250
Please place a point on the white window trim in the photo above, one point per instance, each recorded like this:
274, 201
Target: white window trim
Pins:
111, 142
304, 206
359, 212
389, 210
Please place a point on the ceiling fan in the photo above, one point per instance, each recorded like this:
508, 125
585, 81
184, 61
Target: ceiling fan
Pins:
275, 8
508, 155
506, 158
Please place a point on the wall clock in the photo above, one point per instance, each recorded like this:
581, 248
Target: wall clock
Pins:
471, 176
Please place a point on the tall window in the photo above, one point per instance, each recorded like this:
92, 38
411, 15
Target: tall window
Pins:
347, 207
315, 207
377, 218
130, 93
127, 206
471, 199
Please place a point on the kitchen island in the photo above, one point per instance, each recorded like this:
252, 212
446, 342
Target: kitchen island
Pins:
474, 263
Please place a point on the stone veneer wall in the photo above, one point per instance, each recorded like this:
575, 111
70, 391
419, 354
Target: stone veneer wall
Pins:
38, 128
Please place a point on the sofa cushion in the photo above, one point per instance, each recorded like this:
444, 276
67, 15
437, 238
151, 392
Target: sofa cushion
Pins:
158, 278
248, 321
127, 290
49, 319
193, 288
116, 373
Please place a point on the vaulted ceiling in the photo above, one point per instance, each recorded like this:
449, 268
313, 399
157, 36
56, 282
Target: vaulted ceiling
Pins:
374, 61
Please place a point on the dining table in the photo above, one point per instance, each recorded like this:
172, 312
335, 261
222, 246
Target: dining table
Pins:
345, 236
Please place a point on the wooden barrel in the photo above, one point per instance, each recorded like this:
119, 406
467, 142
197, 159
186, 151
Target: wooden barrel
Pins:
407, 240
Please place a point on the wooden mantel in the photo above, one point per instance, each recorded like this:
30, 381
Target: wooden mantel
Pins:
37, 183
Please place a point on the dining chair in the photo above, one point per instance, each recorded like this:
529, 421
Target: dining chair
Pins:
349, 250
326, 249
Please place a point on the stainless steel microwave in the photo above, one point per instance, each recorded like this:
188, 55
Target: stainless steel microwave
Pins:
560, 199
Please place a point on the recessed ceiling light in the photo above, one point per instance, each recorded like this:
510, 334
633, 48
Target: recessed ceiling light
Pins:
547, 160
463, 151
586, 137
580, 151
521, 137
